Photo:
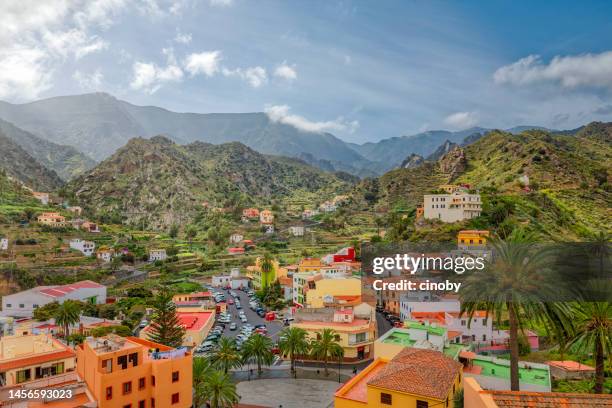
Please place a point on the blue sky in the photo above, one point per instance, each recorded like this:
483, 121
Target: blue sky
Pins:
363, 70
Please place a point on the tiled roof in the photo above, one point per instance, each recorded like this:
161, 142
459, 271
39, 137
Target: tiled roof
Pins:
418, 371
36, 359
569, 365
525, 399
57, 291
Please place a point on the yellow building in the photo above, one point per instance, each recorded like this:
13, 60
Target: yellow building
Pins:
320, 293
52, 219
467, 239
310, 264
355, 328
254, 273
414, 378
33, 357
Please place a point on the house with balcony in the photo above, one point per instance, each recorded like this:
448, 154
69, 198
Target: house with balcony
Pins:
457, 206
52, 219
85, 247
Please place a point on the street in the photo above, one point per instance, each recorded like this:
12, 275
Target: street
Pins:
273, 327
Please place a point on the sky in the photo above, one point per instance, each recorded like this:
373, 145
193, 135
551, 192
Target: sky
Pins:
362, 70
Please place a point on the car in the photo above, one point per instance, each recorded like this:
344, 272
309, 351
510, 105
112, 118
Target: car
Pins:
231, 301
233, 326
261, 331
143, 324
243, 319
261, 313
241, 337
238, 306
260, 326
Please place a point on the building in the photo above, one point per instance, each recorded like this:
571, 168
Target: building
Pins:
249, 214
105, 254
89, 226
570, 370
472, 239
297, 230
132, 372
494, 373
416, 335
476, 397
266, 217
454, 207
328, 206
76, 210
33, 357
85, 247
197, 326
262, 280
157, 255
308, 214
42, 197
235, 251
22, 304
236, 238
477, 329
234, 280
4, 244
355, 328
343, 255
52, 219
413, 378
321, 292
423, 301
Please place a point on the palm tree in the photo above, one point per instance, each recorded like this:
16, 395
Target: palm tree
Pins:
326, 346
218, 390
293, 342
226, 355
66, 314
258, 349
516, 282
593, 322
267, 268
202, 370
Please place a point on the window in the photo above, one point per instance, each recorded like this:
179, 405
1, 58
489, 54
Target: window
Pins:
386, 398
127, 406
9, 305
127, 387
134, 359
21, 305
152, 402
122, 361
484, 322
141, 383
422, 404
153, 380
109, 393
23, 375
35, 306
175, 398
463, 322
107, 365
141, 404
484, 337
175, 376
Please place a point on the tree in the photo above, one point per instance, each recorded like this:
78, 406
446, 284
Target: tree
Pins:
593, 324
267, 269
219, 390
293, 342
326, 346
165, 327
226, 356
258, 349
202, 370
190, 233
45, 312
67, 313
516, 283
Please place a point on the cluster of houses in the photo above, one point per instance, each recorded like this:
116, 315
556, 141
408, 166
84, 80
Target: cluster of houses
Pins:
55, 220
456, 203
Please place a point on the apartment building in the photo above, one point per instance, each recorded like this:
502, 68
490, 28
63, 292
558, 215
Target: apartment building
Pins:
136, 373
457, 206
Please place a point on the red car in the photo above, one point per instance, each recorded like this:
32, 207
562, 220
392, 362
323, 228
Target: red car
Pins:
231, 301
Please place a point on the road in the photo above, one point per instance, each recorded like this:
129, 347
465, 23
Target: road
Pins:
382, 324
253, 319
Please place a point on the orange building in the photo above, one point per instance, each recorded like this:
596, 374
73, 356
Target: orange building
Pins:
467, 239
53, 219
135, 373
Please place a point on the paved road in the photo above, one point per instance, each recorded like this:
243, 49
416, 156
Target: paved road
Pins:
253, 319
382, 324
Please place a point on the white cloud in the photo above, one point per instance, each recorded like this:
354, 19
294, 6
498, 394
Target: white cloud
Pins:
38, 36
90, 82
286, 72
221, 3
255, 76
280, 114
206, 63
182, 38
574, 71
149, 77
461, 120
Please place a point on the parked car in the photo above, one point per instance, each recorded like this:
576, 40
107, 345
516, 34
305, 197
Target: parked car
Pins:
233, 326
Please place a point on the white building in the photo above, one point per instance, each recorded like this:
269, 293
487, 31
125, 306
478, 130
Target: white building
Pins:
297, 230
423, 301
234, 280
328, 206
157, 255
22, 304
105, 254
457, 206
308, 214
478, 329
3, 244
235, 238
268, 228
85, 247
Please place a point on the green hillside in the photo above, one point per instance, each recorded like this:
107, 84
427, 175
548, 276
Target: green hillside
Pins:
157, 183
568, 195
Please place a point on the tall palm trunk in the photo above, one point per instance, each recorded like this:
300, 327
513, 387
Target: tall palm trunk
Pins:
599, 368
514, 347
325, 363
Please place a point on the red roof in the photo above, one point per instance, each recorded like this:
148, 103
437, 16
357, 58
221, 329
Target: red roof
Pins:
570, 365
521, 399
58, 291
194, 320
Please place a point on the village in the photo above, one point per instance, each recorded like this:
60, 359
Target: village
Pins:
125, 317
